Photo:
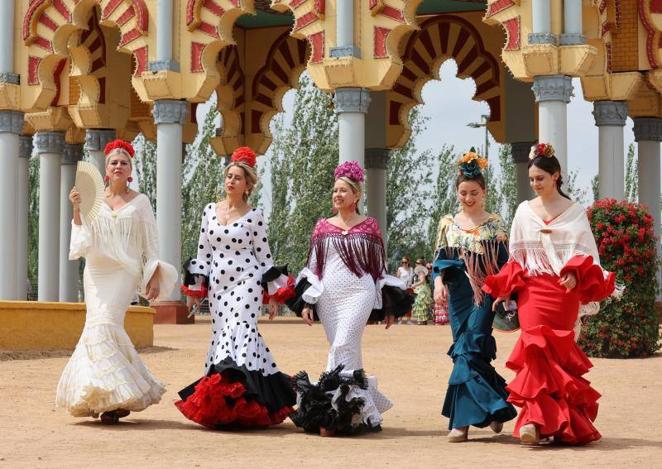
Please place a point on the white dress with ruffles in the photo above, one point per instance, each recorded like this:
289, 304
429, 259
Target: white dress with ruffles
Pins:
105, 372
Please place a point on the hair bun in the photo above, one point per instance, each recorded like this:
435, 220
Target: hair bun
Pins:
471, 164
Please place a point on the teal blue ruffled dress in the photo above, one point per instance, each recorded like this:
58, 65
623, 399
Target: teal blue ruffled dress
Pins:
476, 393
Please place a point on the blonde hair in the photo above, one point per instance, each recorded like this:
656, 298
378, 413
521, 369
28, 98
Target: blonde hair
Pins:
119, 151
249, 174
355, 186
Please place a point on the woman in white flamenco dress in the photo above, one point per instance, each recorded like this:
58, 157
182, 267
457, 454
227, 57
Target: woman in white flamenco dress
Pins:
105, 375
345, 284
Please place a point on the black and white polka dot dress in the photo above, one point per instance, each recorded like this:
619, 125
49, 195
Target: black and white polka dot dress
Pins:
233, 259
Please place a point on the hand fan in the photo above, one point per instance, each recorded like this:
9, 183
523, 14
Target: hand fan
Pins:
91, 188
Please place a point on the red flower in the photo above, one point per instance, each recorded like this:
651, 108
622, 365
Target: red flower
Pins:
121, 144
244, 155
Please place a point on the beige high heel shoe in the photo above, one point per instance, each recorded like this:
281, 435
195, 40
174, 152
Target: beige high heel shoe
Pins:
458, 435
529, 435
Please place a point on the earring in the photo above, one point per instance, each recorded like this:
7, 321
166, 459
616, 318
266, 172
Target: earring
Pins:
106, 179
130, 179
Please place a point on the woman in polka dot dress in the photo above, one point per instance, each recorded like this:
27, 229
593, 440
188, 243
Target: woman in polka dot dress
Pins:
242, 386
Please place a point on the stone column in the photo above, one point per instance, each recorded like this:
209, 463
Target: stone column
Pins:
376, 163
520, 154
541, 18
351, 106
68, 288
11, 125
553, 94
648, 134
164, 29
49, 146
7, 29
610, 118
572, 23
23, 192
345, 31
95, 143
169, 116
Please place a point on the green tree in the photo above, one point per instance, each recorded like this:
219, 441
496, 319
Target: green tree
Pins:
145, 166
632, 175
444, 198
33, 224
595, 187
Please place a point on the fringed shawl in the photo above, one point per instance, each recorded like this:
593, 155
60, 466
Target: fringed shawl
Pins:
361, 248
542, 248
483, 250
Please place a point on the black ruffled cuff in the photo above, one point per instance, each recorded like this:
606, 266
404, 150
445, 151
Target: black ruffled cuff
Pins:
296, 304
395, 302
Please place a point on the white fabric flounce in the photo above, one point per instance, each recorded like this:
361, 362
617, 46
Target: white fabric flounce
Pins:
316, 288
374, 402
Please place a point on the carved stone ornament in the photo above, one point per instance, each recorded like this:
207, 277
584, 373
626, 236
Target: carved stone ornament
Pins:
610, 113
49, 142
377, 158
97, 139
169, 111
552, 88
647, 129
352, 100
11, 122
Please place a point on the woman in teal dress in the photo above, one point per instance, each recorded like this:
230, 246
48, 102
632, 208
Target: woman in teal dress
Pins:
470, 246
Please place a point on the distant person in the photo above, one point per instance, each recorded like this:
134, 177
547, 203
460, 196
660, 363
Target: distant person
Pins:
423, 304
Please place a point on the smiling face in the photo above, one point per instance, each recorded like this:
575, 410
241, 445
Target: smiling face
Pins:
344, 197
118, 167
235, 181
470, 195
542, 182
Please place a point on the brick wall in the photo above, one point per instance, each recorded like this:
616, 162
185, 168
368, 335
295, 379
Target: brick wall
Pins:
625, 49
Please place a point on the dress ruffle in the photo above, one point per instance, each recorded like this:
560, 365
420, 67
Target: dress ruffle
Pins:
549, 386
509, 279
592, 283
233, 396
342, 402
105, 373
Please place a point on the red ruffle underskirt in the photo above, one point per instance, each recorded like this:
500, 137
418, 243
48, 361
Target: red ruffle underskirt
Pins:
217, 401
549, 365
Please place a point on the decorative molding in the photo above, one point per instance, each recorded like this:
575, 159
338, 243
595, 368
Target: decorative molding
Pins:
11, 122
72, 153
520, 151
377, 158
25, 146
10, 78
647, 129
613, 113
351, 100
169, 111
543, 38
572, 39
345, 51
164, 65
48, 142
552, 88
97, 139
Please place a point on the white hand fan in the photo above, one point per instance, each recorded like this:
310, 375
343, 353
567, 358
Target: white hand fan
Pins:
91, 188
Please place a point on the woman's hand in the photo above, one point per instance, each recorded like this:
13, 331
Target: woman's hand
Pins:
153, 289
74, 198
273, 308
440, 290
307, 315
568, 281
193, 301
390, 320
500, 300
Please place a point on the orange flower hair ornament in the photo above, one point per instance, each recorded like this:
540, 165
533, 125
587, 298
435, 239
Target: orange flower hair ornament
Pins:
244, 155
541, 149
471, 164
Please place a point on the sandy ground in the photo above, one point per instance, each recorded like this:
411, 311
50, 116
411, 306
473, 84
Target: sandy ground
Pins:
412, 367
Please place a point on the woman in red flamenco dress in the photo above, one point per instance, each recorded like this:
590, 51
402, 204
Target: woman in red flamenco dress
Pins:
555, 273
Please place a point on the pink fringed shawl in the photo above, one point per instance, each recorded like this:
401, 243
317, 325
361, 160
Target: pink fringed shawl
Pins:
361, 248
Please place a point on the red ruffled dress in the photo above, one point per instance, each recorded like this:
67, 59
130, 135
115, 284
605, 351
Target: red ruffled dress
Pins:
549, 365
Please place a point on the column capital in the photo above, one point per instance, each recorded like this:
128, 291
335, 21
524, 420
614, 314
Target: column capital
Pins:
49, 142
351, 100
72, 153
520, 151
164, 66
543, 38
647, 129
25, 146
11, 78
169, 111
97, 139
610, 113
377, 158
345, 51
11, 122
572, 39
552, 88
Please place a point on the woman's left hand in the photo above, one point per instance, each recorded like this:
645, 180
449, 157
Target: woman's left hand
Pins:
390, 320
568, 281
153, 289
273, 308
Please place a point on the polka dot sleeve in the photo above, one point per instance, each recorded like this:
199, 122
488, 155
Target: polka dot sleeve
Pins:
260, 241
202, 262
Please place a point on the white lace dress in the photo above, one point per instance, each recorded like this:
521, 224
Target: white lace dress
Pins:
105, 372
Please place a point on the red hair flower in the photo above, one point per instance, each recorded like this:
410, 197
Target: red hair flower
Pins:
244, 155
121, 145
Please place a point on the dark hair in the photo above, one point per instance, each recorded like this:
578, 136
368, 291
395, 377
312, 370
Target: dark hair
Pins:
478, 179
551, 165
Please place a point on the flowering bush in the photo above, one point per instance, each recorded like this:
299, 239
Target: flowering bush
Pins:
627, 246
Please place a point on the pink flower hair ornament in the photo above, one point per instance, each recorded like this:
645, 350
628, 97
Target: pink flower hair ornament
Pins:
351, 170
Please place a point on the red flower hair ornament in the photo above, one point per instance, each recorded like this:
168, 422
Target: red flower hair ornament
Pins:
244, 155
121, 145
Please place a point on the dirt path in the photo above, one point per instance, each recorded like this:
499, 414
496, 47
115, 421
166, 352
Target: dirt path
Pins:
412, 368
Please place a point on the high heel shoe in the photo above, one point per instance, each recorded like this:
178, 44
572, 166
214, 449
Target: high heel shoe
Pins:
529, 435
496, 427
458, 435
